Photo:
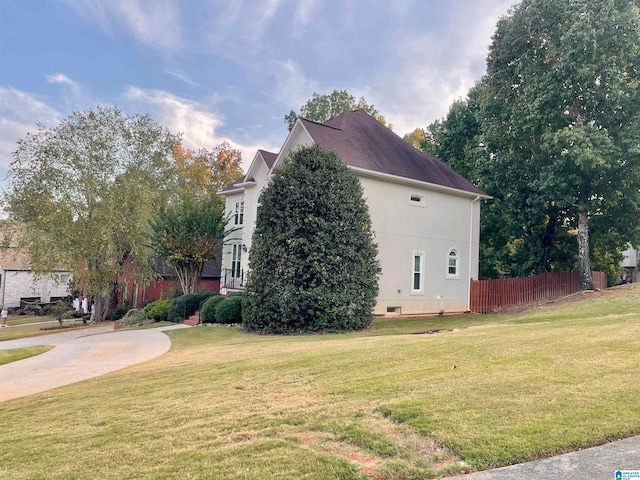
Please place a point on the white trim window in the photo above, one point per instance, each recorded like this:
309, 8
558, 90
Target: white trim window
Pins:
235, 260
453, 264
239, 214
417, 272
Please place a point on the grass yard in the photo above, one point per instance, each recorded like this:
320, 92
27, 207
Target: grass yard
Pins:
35, 327
387, 403
15, 354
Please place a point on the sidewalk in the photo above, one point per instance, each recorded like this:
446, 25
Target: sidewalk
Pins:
597, 463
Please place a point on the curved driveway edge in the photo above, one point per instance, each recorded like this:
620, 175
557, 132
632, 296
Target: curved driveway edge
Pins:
77, 356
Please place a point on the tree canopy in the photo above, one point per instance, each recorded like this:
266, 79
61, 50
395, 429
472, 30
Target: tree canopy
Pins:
202, 173
188, 230
187, 234
85, 190
552, 132
314, 264
321, 108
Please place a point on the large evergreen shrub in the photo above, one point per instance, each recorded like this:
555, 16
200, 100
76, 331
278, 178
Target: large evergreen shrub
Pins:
314, 264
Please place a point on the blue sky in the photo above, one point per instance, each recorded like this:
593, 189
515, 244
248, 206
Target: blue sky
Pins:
230, 70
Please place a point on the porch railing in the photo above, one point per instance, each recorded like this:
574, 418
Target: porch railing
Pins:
232, 280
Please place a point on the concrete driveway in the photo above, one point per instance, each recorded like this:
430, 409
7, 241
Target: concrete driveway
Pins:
78, 355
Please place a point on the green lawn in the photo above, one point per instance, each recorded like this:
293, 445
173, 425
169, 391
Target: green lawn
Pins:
387, 403
23, 327
15, 354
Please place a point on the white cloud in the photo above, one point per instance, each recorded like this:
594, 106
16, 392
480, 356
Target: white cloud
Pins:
61, 78
74, 96
155, 23
262, 14
194, 120
434, 70
180, 75
304, 14
291, 85
19, 114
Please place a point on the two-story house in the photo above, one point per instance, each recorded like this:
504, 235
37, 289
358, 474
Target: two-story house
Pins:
425, 216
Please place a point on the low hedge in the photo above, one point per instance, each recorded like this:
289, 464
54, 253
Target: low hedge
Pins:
230, 309
208, 312
158, 310
184, 306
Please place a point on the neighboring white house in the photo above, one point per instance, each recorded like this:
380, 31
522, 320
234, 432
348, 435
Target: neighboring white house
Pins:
19, 285
425, 216
631, 266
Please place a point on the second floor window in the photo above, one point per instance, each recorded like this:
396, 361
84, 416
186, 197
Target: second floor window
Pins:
239, 214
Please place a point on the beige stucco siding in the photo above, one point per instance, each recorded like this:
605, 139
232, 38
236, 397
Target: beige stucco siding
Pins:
434, 229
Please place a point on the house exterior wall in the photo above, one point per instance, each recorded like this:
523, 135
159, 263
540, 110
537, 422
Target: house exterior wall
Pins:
235, 239
17, 284
251, 199
431, 229
241, 235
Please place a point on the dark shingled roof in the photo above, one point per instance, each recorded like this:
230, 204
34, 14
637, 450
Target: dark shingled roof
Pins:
362, 142
234, 185
269, 157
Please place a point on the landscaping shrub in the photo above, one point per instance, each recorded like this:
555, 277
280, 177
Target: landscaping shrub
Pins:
314, 264
229, 310
208, 312
133, 318
184, 306
158, 310
119, 312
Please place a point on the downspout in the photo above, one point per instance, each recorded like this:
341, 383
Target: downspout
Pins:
470, 252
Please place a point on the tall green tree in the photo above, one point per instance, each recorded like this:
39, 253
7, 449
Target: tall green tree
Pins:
563, 77
314, 264
320, 108
556, 124
85, 192
186, 234
189, 229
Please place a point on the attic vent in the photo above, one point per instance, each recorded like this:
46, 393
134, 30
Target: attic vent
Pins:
417, 199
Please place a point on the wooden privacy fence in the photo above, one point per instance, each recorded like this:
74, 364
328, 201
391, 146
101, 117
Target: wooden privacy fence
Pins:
487, 295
